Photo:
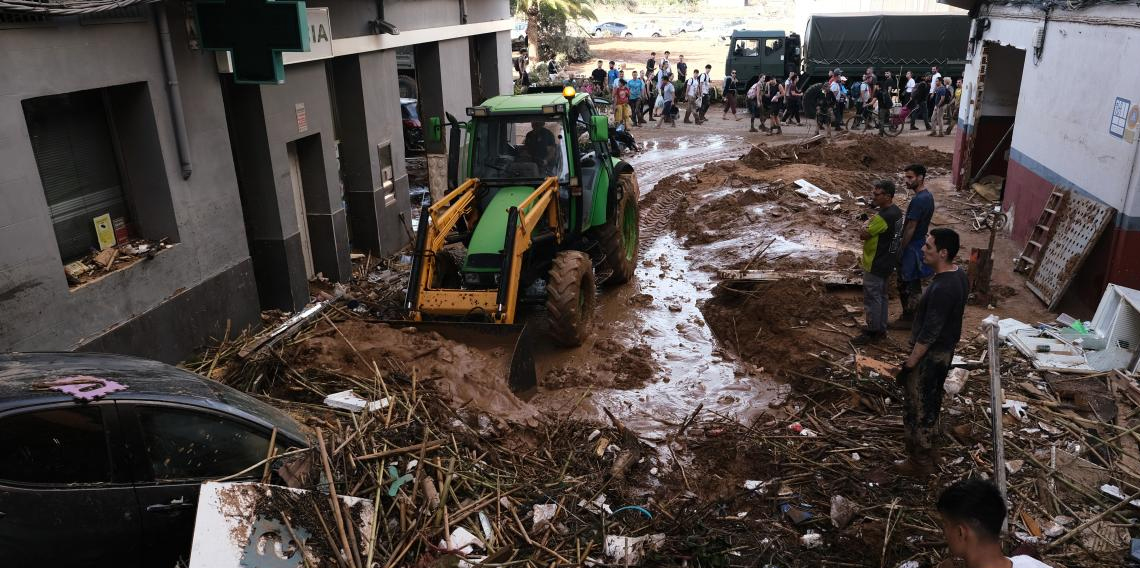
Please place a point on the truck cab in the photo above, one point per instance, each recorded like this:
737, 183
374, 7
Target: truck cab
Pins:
755, 53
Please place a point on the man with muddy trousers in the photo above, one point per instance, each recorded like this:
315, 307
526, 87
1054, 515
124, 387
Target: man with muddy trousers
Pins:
912, 269
936, 331
880, 250
693, 98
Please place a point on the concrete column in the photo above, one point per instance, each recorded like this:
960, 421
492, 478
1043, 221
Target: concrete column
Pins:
278, 262
376, 194
443, 71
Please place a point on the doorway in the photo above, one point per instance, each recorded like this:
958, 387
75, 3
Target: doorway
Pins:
306, 176
994, 94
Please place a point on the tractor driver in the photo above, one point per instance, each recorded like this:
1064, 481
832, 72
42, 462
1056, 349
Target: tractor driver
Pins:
542, 147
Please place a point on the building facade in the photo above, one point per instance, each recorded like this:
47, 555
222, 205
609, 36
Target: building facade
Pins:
252, 190
1058, 108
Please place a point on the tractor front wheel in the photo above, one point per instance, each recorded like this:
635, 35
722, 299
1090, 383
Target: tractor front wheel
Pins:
571, 297
619, 236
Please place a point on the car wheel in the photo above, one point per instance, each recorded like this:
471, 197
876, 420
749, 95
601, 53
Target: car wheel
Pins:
597, 32
627, 34
655, 34
682, 32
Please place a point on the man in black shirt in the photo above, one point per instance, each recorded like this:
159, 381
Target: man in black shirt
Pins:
598, 76
918, 101
936, 331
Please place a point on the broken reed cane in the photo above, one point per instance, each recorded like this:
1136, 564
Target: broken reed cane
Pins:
991, 324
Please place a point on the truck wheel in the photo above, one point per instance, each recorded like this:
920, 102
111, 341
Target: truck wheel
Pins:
810, 95
571, 297
619, 236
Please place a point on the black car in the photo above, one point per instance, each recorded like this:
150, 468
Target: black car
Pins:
114, 481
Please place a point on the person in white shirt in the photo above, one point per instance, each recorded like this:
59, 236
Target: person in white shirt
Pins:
973, 512
693, 98
910, 84
706, 91
935, 76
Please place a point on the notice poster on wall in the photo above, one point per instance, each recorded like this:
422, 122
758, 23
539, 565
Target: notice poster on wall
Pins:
104, 231
1119, 121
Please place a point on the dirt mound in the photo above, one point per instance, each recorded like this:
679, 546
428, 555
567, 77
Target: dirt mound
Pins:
866, 153
764, 323
464, 375
717, 219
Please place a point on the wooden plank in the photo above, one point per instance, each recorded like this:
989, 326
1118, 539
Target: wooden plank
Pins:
829, 277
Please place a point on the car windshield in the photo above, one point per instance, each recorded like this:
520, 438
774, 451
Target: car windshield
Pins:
746, 48
516, 148
410, 111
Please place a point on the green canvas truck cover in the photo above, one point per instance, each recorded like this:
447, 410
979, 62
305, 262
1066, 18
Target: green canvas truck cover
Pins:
886, 40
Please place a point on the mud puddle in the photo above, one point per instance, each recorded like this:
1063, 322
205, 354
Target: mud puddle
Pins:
692, 339
663, 154
659, 310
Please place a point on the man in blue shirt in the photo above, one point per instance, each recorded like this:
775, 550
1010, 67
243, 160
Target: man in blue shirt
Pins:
636, 88
912, 269
941, 100
611, 76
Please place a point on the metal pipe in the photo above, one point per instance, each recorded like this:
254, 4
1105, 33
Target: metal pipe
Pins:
177, 116
996, 401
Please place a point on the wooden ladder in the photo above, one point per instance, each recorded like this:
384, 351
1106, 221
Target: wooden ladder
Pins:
1042, 231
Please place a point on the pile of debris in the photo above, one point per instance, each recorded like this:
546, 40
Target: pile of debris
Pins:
116, 257
443, 478
812, 485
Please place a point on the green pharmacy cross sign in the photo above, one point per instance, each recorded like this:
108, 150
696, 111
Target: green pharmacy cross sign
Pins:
256, 32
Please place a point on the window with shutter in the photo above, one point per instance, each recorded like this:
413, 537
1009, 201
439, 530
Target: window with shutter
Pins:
75, 151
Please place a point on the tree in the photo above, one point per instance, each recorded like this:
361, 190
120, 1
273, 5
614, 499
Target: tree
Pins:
532, 9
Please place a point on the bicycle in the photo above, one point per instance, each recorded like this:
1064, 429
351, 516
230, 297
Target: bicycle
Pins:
894, 126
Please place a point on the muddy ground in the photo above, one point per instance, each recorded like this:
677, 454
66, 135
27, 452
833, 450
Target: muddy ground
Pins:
749, 358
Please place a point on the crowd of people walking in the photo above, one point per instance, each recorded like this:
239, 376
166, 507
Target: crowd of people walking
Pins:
667, 90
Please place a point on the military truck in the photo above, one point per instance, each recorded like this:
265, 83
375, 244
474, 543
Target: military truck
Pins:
851, 43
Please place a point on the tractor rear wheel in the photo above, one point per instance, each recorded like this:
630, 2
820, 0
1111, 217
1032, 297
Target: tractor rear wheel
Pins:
619, 236
571, 297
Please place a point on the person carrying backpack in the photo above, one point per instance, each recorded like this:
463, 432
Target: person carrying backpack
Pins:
693, 98
772, 98
838, 97
730, 86
706, 91
754, 104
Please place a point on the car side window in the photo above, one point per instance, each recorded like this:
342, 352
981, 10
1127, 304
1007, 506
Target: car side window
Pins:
189, 444
55, 446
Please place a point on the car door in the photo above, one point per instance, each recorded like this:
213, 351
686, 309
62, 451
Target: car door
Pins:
66, 496
173, 449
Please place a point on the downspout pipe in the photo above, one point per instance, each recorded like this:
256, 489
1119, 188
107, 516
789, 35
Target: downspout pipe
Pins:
170, 73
